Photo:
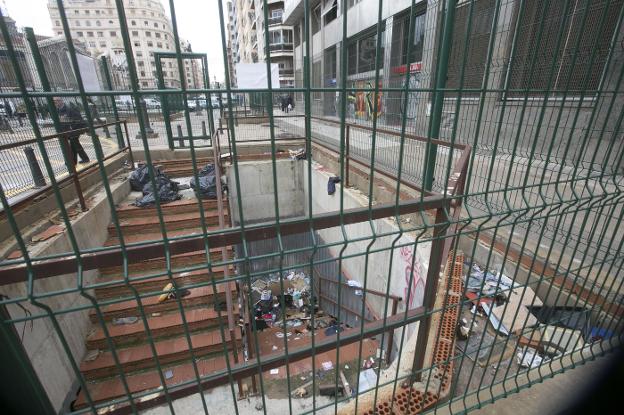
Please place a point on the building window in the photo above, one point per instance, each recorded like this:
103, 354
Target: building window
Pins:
133, 22
89, 34
102, 44
92, 44
98, 23
140, 63
316, 19
166, 36
146, 23
144, 84
353, 3
88, 22
159, 45
157, 34
135, 33
87, 12
475, 54
113, 33
592, 37
77, 22
148, 34
57, 23
79, 34
143, 73
139, 54
331, 11
100, 34
362, 52
137, 44
400, 40
297, 36
156, 25
150, 44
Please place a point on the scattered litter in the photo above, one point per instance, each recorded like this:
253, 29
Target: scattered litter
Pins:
302, 378
327, 365
124, 320
346, 367
274, 371
331, 390
169, 374
370, 362
259, 406
274, 348
367, 380
299, 154
354, 283
280, 334
358, 293
300, 392
498, 325
156, 314
529, 357
48, 233
92, 355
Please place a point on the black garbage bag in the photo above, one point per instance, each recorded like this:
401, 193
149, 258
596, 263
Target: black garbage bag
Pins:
207, 188
167, 192
140, 177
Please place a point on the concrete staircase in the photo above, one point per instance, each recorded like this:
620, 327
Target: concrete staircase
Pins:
163, 329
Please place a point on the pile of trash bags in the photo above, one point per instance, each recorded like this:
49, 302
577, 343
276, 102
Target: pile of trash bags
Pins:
207, 188
167, 188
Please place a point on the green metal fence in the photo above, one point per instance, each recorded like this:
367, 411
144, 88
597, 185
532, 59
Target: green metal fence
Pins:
481, 141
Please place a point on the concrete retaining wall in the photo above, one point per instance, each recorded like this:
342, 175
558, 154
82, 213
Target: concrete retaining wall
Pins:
257, 191
385, 265
41, 341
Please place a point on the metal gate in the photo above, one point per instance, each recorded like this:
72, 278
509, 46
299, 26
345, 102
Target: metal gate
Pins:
457, 219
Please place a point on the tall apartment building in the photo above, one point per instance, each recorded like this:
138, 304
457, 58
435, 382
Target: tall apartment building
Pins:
280, 40
232, 44
96, 24
247, 30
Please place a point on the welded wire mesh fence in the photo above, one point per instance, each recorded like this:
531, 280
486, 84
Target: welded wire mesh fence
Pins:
431, 224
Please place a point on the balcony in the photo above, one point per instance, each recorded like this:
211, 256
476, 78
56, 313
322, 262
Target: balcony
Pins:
281, 47
276, 20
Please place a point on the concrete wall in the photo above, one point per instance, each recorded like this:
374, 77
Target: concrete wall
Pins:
41, 341
385, 265
258, 194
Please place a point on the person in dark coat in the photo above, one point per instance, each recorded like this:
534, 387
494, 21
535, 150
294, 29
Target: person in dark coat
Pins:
71, 119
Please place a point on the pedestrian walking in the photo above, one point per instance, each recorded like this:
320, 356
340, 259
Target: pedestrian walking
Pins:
71, 119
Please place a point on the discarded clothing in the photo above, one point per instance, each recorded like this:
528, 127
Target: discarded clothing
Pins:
140, 177
207, 188
331, 185
167, 192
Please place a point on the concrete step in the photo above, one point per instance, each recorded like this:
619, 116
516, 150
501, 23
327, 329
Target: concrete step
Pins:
168, 351
199, 295
201, 162
164, 325
177, 261
156, 284
128, 210
157, 236
173, 221
113, 388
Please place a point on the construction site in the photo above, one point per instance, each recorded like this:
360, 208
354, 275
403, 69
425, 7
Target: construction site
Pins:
368, 241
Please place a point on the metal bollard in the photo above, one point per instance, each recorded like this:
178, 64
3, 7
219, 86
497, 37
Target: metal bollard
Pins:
180, 135
204, 130
35, 170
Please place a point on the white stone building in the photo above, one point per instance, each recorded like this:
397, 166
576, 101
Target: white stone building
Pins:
96, 24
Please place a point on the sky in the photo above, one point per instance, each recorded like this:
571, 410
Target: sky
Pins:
198, 22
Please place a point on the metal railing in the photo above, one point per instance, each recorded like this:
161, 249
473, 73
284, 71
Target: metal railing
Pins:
479, 146
23, 179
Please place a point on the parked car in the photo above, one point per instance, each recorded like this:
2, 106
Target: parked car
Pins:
152, 103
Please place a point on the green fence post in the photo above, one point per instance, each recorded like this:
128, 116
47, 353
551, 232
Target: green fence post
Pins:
109, 85
438, 94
